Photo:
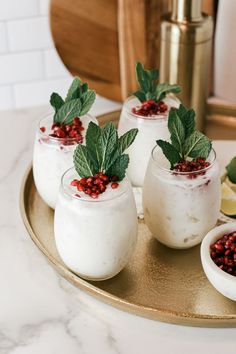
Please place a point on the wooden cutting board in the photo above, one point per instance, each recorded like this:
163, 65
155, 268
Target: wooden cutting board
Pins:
100, 40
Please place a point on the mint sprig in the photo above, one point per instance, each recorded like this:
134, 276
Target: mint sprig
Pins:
186, 141
78, 101
231, 170
103, 152
149, 87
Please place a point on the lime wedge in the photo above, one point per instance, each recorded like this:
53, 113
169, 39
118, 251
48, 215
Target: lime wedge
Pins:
230, 184
228, 200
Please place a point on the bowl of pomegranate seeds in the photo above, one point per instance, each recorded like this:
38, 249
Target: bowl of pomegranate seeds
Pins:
218, 256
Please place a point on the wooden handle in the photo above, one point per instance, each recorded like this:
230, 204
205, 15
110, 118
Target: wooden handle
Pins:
132, 41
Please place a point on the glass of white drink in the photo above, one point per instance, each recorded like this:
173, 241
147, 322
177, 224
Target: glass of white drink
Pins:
95, 237
148, 111
53, 156
95, 220
181, 198
57, 137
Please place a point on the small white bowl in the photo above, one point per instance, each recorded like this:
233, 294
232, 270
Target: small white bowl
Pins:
222, 281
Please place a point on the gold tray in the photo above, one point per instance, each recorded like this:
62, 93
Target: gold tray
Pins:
159, 283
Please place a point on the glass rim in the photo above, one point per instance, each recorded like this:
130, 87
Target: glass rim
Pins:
180, 173
161, 117
54, 138
91, 200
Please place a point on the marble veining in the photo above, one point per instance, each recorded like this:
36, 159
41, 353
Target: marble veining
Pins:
40, 312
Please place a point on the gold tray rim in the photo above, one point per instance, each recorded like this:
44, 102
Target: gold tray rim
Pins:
158, 314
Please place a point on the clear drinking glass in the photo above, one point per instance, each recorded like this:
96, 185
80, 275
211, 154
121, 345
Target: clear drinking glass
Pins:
95, 237
52, 157
179, 207
150, 130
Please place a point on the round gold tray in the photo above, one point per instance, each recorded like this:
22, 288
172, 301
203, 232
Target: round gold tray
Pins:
158, 283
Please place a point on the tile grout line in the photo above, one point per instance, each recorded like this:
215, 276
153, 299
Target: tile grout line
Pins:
32, 81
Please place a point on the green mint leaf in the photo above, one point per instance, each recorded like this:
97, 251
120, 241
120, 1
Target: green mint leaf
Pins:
163, 89
197, 145
83, 162
140, 95
87, 99
123, 143
118, 168
170, 152
187, 117
56, 101
68, 112
93, 144
126, 140
109, 139
149, 89
231, 170
74, 89
142, 77
177, 132
84, 87
153, 75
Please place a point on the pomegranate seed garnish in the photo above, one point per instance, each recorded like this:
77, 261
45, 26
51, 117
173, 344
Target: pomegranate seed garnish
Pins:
83, 180
74, 183
80, 187
223, 253
76, 121
65, 131
192, 166
95, 185
60, 133
43, 129
150, 108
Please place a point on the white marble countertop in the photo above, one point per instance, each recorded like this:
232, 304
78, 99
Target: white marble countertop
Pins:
40, 312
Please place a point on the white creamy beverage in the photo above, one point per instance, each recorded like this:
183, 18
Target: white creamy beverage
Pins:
150, 129
179, 210
95, 237
52, 157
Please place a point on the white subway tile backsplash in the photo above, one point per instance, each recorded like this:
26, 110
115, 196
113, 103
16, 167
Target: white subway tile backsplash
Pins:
6, 97
44, 6
54, 67
30, 68
29, 34
38, 93
3, 38
20, 67
11, 9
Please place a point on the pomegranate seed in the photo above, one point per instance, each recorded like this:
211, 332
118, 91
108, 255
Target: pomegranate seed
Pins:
80, 187
89, 179
64, 131
72, 134
60, 133
76, 121
43, 129
88, 191
114, 185
223, 253
74, 183
83, 180
150, 108
67, 128
192, 166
